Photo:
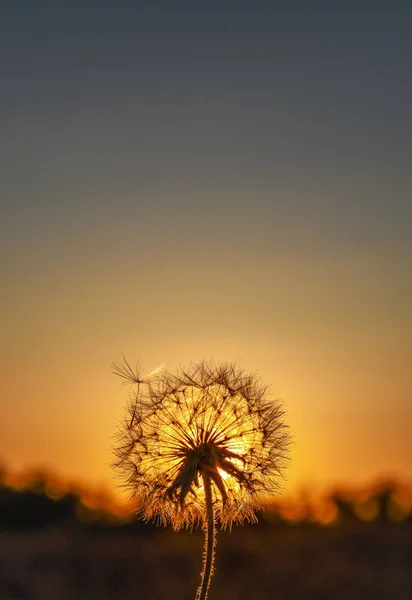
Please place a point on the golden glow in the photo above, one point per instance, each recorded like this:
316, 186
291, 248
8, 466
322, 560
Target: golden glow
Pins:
180, 422
211, 421
223, 474
338, 356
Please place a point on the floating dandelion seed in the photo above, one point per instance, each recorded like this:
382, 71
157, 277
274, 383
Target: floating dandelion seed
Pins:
202, 445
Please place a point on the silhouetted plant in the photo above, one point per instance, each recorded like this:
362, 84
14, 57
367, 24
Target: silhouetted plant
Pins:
202, 445
32, 508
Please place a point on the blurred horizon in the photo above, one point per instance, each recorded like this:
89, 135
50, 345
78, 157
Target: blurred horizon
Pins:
318, 505
71, 543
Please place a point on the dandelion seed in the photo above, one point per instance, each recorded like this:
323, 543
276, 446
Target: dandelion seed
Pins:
204, 445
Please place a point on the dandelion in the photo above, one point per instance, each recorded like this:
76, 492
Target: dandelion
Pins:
204, 446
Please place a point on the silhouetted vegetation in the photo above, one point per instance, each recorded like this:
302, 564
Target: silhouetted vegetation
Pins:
38, 505
54, 546
34, 509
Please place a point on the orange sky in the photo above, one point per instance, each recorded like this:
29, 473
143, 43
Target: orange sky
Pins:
323, 334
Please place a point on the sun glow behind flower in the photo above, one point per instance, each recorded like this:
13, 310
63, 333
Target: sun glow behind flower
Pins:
211, 419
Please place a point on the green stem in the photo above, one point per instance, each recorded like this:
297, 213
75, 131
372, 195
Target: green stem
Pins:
210, 541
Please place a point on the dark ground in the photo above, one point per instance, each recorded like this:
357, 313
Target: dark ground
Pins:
53, 547
356, 561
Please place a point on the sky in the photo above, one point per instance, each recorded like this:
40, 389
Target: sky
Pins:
185, 180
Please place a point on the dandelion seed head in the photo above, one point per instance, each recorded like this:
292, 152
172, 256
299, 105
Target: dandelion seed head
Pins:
211, 418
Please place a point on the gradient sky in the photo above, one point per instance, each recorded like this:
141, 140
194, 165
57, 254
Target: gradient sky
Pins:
183, 180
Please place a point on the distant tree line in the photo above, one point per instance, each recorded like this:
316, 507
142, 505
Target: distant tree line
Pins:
33, 507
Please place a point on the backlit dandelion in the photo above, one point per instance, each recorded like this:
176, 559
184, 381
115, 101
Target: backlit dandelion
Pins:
203, 445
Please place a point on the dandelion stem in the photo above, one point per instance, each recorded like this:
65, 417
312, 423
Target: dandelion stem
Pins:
210, 541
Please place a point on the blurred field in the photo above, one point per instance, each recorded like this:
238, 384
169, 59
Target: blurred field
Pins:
59, 543
360, 561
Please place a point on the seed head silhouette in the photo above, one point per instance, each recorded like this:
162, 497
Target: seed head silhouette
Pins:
202, 445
